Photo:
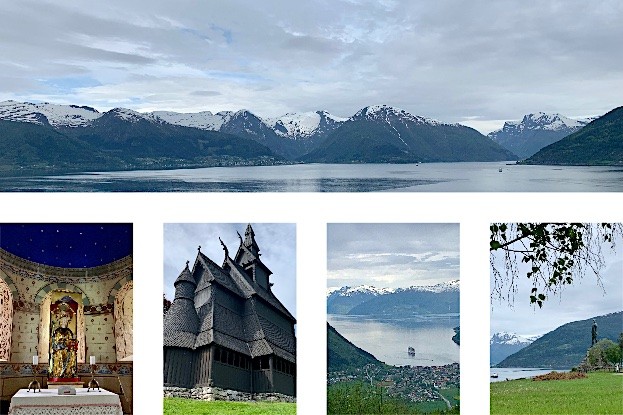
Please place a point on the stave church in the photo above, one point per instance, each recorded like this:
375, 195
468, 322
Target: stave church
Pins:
66, 308
226, 335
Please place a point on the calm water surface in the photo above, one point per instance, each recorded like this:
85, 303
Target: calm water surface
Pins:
389, 340
511, 373
428, 177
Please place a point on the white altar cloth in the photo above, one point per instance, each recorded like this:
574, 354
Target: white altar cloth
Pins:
49, 402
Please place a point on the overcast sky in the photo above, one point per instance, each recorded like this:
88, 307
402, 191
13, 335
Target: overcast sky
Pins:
477, 62
580, 301
277, 244
392, 255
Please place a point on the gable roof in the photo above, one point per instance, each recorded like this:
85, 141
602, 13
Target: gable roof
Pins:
241, 330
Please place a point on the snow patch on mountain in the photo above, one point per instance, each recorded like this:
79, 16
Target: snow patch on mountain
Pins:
508, 338
302, 124
542, 121
46, 113
387, 113
347, 291
203, 120
129, 115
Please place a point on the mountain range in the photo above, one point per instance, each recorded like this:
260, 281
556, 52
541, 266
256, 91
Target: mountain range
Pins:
535, 131
504, 344
366, 300
122, 138
566, 346
125, 139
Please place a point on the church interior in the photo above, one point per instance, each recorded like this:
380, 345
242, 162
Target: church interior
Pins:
66, 308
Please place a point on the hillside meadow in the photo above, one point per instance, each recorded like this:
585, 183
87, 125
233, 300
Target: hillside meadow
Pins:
599, 393
179, 406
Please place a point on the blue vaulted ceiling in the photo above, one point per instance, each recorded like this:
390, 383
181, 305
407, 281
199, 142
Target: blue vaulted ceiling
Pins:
68, 245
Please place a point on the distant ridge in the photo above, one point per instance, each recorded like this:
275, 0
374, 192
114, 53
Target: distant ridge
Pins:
566, 346
534, 132
367, 300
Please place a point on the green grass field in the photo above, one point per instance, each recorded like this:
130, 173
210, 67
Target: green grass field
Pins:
600, 393
179, 406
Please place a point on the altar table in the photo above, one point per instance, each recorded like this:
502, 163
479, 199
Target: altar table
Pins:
49, 402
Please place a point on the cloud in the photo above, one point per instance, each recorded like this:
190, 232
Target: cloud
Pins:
392, 255
447, 60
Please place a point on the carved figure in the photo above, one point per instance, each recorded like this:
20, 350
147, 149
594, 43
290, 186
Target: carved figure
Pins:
63, 345
594, 333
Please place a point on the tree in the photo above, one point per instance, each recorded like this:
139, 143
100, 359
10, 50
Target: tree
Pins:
604, 352
555, 254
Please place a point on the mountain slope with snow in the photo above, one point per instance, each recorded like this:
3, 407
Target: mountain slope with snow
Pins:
45, 113
367, 300
534, 132
383, 134
504, 344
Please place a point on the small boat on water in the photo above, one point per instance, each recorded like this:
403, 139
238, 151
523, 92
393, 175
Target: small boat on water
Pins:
494, 375
500, 170
411, 351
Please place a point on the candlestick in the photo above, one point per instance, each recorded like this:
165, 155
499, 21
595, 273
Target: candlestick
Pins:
93, 383
34, 385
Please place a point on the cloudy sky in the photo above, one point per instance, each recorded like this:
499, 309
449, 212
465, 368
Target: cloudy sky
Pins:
582, 300
392, 255
477, 62
277, 244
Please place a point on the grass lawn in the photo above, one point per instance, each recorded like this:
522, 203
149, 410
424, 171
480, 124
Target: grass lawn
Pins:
600, 393
179, 406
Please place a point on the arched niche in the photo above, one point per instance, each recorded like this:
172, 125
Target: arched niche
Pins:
124, 314
44, 321
6, 320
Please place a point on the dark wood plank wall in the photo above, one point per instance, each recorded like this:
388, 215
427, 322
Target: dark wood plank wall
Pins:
179, 367
231, 377
284, 383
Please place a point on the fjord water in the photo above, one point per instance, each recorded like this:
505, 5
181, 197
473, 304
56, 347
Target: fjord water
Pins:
512, 373
389, 340
427, 177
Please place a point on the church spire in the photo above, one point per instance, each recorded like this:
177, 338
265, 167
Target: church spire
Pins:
249, 241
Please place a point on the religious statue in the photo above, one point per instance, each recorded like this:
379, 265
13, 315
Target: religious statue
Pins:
63, 344
594, 333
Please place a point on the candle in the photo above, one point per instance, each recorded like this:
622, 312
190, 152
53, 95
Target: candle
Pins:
92, 359
35, 360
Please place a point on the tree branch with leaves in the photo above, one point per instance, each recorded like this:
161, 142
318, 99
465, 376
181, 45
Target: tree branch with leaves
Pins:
554, 254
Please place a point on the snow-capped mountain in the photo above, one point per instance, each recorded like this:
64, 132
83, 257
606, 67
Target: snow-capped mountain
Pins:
45, 113
305, 124
504, 344
449, 286
388, 114
348, 291
369, 300
543, 121
203, 120
384, 134
535, 131
128, 115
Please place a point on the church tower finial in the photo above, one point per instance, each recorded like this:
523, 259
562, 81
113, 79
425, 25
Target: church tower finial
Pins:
249, 240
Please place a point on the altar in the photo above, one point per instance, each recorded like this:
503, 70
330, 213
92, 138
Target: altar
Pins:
49, 402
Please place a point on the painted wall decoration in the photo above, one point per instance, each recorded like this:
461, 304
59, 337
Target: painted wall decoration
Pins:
6, 320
